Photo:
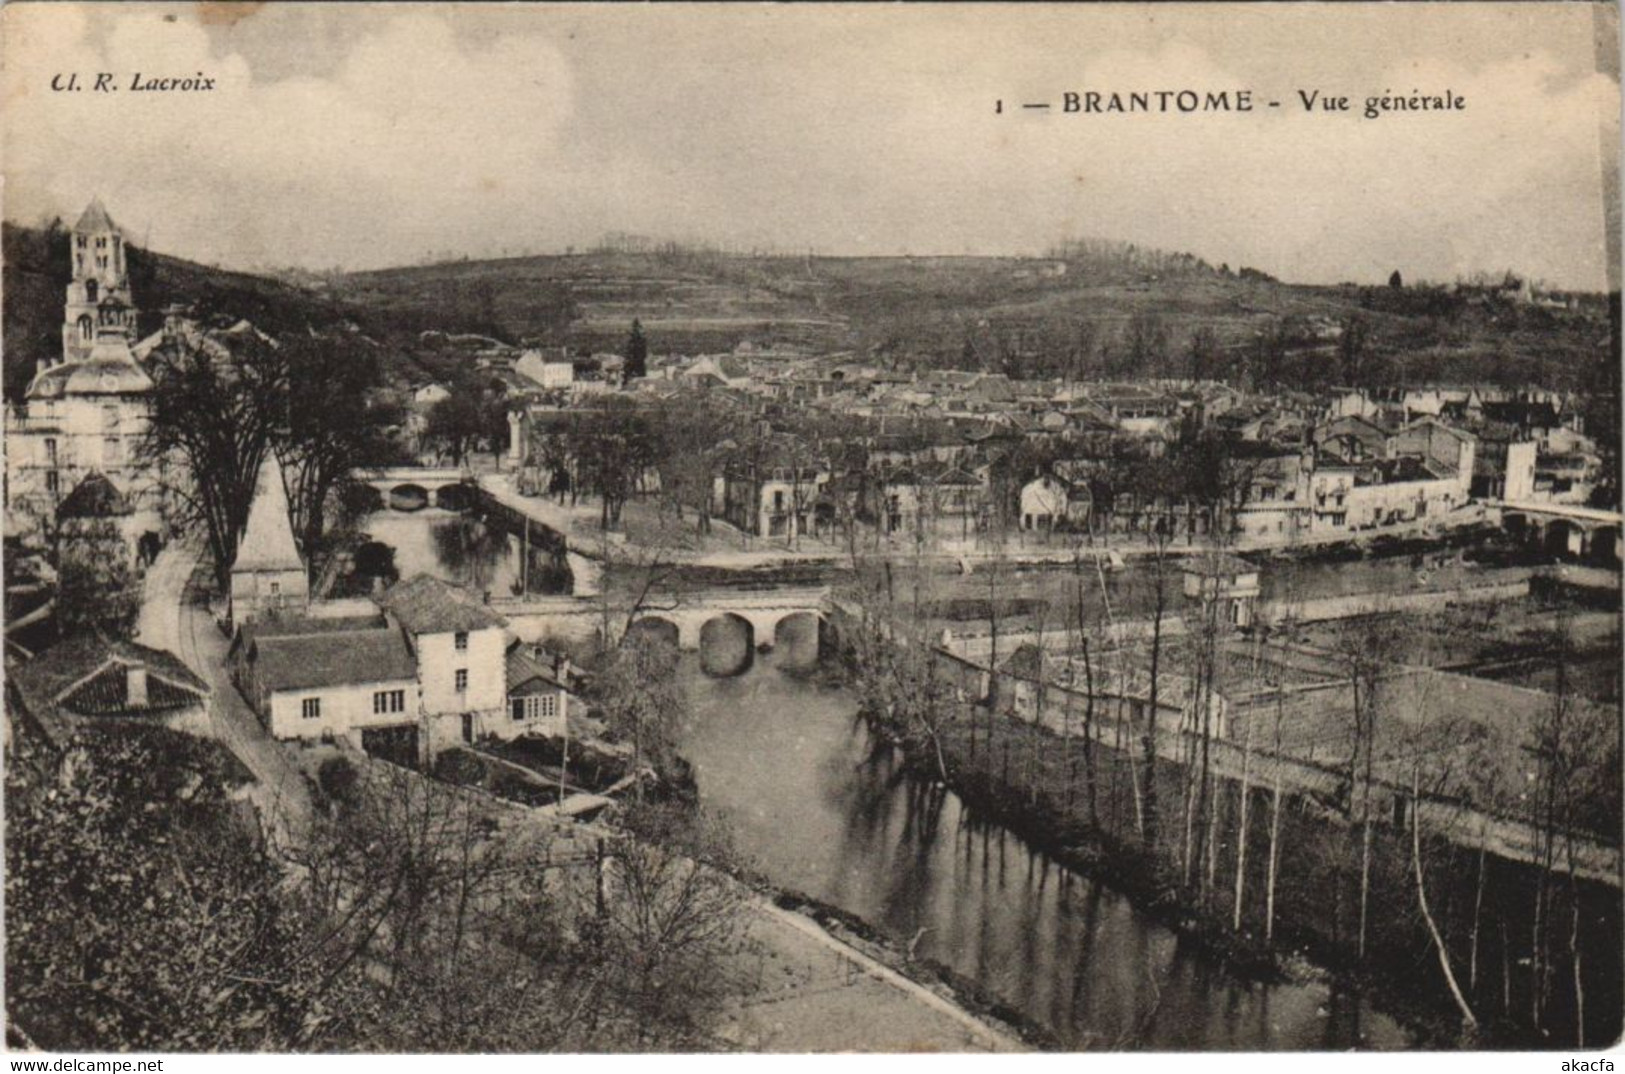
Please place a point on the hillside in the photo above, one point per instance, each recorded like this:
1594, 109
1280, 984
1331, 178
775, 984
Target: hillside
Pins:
1117, 312
985, 311
37, 270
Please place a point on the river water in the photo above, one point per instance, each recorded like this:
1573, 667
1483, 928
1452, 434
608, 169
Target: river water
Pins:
818, 809
440, 542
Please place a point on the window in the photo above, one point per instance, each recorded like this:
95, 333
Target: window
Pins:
50, 451
460, 639
90, 290
87, 328
53, 483
535, 707
389, 701
311, 708
460, 680
276, 589
110, 415
112, 452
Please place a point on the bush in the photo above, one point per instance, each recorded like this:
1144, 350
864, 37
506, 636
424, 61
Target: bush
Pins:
337, 778
459, 767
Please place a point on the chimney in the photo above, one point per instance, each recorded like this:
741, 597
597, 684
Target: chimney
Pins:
561, 668
135, 686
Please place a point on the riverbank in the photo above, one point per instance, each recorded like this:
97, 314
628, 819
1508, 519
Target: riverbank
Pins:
929, 974
1011, 784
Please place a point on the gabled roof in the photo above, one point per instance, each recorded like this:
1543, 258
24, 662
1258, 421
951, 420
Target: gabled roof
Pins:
1426, 421
523, 666
267, 543
329, 658
94, 219
94, 497
426, 605
87, 676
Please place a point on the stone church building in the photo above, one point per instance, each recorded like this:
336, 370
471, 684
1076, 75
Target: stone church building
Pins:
84, 414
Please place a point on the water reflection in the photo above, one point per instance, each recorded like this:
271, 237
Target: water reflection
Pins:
452, 547
470, 548
826, 810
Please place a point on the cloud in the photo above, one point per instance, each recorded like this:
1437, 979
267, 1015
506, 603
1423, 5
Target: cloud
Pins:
368, 135
408, 138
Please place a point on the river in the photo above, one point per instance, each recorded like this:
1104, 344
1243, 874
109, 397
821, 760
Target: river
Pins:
434, 541
817, 809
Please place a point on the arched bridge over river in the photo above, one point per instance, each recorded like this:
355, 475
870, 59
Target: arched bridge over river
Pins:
725, 625
1569, 530
412, 488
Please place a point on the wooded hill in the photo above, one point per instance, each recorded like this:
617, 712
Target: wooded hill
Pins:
1096, 310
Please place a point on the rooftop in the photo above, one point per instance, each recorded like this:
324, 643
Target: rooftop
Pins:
87, 675
426, 605
329, 658
93, 497
94, 219
267, 542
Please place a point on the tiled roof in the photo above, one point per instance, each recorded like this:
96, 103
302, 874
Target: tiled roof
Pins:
524, 665
1220, 564
86, 675
331, 658
426, 605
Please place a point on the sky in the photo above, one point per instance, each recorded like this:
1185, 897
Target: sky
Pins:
364, 136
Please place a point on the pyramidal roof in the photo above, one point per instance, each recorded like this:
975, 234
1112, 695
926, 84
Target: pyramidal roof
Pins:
267, 543
95, 218
94, 497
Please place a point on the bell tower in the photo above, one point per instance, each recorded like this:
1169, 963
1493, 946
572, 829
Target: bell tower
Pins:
99, 293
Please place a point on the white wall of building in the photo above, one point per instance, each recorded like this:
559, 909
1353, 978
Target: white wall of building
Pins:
485, 661
344, 708
1520, 474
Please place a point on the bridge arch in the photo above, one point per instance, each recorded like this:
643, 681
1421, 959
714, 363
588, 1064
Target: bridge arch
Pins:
1520, 527
457, 497
657, 628
727, 645
1563, 538
802, 638
1605, 546
408, 497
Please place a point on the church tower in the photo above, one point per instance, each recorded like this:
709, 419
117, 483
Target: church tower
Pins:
99, 293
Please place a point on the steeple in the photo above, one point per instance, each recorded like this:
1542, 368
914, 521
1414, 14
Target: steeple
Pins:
99, 294
268, 575
267, 543
94, 219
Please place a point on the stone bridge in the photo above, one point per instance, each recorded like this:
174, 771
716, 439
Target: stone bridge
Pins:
726, 626
412, 488
1568, 530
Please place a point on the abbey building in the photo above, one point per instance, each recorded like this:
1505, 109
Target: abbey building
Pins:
85, 414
